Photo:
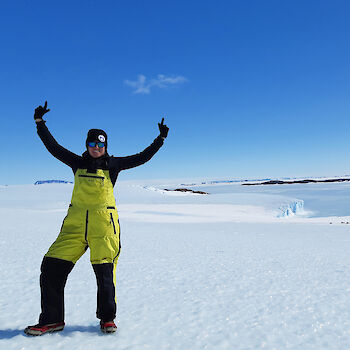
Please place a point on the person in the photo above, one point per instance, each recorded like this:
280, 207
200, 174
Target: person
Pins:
91, 222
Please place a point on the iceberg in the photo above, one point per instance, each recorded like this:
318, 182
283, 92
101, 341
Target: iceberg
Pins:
52, 182
291, 209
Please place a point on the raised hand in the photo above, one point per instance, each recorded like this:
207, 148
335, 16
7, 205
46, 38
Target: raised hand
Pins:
163, 129
40, 111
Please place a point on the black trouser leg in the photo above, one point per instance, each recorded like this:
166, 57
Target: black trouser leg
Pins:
106, 305
54, 273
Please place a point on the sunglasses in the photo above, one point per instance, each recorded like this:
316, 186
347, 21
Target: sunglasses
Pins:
99, 144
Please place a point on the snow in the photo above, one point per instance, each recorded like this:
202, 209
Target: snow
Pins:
245, 267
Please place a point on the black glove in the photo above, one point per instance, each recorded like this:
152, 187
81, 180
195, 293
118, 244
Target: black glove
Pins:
163, 129
40, 111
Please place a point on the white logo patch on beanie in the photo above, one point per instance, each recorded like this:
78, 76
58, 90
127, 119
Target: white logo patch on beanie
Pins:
101, 138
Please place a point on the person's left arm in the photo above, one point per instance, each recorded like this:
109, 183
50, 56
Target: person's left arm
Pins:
144, 156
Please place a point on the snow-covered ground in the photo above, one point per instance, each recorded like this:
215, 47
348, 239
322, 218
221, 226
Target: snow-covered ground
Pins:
245, 267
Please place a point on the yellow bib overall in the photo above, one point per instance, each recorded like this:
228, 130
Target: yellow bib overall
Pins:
92, 221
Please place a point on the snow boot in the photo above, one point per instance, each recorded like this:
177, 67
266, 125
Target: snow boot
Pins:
108, 327
42, 329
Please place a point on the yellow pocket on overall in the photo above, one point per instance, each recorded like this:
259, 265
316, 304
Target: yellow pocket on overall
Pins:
103, 236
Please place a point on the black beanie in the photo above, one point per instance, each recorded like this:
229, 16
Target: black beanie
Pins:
96, 135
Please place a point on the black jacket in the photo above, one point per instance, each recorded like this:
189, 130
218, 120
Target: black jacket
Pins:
106, 162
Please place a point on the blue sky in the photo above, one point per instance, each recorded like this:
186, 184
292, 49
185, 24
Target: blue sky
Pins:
249, 88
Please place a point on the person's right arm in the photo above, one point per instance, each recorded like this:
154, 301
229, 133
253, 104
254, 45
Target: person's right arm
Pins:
59, 152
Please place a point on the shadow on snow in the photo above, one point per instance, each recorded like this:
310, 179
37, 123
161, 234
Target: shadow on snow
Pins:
68, 330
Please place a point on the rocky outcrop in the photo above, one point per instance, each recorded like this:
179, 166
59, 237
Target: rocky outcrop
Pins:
186, 190
281, 182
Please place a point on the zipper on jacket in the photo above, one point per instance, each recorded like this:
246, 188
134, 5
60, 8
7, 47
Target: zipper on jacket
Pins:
120, 246
93, 176
115, 232
86, 224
